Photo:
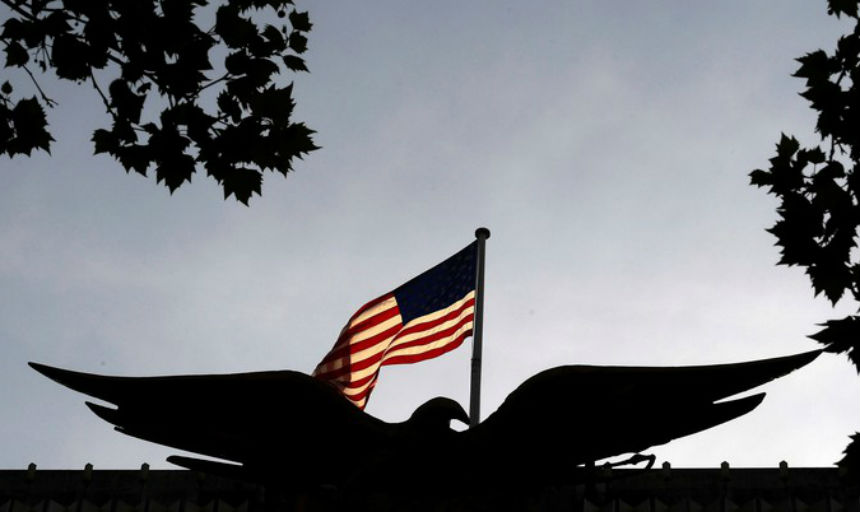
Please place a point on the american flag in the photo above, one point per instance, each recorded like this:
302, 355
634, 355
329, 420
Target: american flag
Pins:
429, 315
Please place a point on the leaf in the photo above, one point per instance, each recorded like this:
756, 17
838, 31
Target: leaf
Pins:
237, 63
56, 23
16, 55
178, 9
198, 123
260, 71
850, 463
801, 250
6, 88
274, 103
34, 34
229, 106
167, 144
824, 95
123, 131
29, 122
100, 35
239, 143
233, 29
814, 155
176, 171
242, 89
828, 278
69, 56
797, 231
242, 182
132, 70
298, 42
104, 141
829, 196
134, 156
215, 168
760, 178
13, 28
300, 21
127, 104
6, 130
275, 39
841, 337
847, 7
787, 146
848, 48
296, 140
180, 80
815, 66
833, 170
295, 63
194, 54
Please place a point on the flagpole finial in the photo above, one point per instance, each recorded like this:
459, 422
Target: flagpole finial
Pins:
482, 233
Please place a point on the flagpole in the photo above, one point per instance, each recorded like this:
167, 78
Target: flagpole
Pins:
482, 234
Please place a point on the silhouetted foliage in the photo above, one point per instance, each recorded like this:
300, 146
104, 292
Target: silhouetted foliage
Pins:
170, 108
819, 189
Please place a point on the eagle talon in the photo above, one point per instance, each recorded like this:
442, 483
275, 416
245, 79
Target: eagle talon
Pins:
635, 459
642, 457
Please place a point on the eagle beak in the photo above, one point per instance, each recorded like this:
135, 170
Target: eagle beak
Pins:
462, 416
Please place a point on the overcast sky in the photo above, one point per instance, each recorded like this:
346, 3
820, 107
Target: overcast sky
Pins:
606, 148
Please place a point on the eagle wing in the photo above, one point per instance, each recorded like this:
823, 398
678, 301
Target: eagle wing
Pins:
276, 424
573, 415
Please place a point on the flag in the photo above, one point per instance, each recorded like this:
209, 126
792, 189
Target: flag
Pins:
429, 315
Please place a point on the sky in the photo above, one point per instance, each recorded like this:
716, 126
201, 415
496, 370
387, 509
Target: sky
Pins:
607, 149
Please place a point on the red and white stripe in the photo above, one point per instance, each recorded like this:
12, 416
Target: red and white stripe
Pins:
375, 336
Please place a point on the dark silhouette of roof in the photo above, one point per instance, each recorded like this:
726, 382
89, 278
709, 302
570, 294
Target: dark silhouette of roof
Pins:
775, 489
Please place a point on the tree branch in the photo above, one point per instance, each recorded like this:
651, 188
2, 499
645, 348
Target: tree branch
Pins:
210, 84
48, 101
102, 94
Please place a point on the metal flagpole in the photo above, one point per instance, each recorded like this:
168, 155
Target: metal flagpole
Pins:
482, 234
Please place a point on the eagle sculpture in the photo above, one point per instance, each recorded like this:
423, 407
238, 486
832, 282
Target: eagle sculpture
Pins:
288, 428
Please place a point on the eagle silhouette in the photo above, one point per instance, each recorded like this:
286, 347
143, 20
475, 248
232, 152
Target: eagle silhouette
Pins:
289, 427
